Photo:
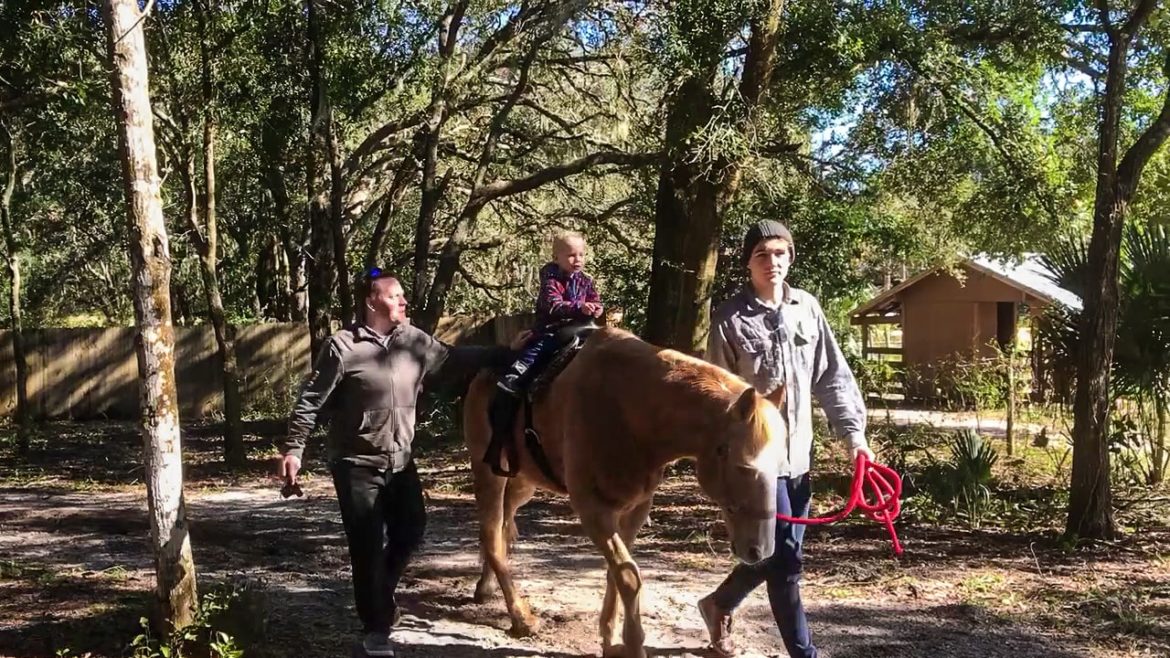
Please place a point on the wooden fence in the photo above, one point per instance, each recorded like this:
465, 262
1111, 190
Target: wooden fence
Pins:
87, 374
93, 373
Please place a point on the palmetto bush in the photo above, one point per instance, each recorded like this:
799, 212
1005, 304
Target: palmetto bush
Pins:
1141, 359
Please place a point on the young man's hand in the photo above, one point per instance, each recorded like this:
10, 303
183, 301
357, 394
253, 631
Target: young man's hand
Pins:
863, 450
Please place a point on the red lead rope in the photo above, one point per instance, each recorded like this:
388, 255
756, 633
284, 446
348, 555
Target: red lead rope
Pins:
885, 485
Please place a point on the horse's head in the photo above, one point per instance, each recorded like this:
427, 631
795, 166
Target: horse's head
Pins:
739, 469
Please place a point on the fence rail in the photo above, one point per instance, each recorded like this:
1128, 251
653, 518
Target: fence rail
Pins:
87, 374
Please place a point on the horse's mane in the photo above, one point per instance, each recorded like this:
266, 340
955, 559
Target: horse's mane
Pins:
710, 381
702, 376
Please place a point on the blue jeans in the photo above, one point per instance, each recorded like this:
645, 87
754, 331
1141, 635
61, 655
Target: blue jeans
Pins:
781, 571
539, 349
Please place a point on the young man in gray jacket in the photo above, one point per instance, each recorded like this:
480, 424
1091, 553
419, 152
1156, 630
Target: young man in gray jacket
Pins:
366, 380
774, 335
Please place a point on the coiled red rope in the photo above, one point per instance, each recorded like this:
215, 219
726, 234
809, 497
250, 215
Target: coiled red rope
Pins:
886, 487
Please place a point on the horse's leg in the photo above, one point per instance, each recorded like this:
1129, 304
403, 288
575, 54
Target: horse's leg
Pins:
608, 621
628, 527
489, 499
631, 523
493, 542
603, 528
516, 494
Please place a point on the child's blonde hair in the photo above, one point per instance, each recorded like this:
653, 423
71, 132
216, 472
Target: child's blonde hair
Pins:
562, 239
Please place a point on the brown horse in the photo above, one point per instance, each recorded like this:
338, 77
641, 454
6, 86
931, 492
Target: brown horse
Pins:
620, 413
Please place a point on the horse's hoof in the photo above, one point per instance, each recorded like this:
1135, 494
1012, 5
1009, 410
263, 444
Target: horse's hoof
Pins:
524, 628
484, 591
620, 651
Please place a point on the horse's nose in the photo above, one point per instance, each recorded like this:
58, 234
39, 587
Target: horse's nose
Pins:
754, 555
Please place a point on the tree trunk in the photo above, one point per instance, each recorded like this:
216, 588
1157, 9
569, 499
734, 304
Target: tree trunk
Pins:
293, 302
321, 264
207, 243
266, 297
432, 191
1011, 401
449, 258
390, 205
337, 225
13, 255
430, 136
693, 194
155, 337
1090, 503
284, 288
687, 229
1158, 450
298, 270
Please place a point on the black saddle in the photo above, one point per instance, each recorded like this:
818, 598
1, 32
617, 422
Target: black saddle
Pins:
502, 410
571, 339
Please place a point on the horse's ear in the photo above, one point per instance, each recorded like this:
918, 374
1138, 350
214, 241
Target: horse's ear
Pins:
778, 396
745, 406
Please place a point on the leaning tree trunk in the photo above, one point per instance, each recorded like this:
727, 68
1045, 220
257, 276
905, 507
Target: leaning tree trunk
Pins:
155, 336
337, 225
390, 205
1090, 505
694, 193
1090, 502
429, 138
321, 263
293, 303
687, 227
12, 258
206, 242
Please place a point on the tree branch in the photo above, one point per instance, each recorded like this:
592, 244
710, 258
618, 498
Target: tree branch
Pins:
556, 172
761, 54
1139, 16
1093, 28
1135, 159
578, 59
1081, 66
493, 136
1103, 13
387, 130
475, 283
505, 33
997, 140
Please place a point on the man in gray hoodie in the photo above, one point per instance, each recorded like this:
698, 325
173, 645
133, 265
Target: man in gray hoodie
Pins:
774, 335
366, 380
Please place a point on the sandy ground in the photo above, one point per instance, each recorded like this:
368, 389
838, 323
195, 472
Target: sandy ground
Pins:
74, 564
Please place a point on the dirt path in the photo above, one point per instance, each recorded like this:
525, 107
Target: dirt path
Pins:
73, 566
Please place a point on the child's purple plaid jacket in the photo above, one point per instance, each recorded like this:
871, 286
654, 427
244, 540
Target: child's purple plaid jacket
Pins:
562, 295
